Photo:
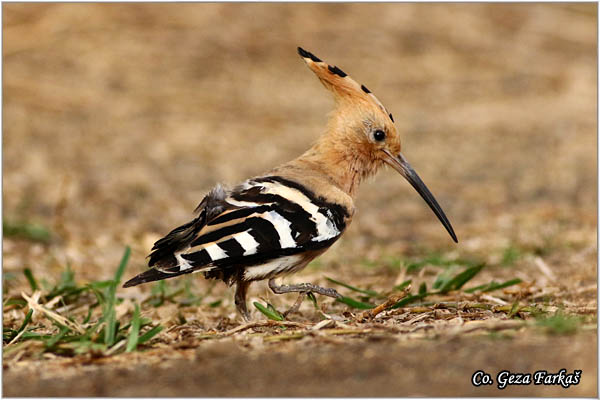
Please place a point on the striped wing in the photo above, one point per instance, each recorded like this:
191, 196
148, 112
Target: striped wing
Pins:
265, 219
258, 229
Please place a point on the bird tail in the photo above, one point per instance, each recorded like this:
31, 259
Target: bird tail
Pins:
153, 274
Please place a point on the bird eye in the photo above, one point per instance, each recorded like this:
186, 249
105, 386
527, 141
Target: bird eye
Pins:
379, 135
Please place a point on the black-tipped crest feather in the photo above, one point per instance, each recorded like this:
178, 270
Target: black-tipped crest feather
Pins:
308, 54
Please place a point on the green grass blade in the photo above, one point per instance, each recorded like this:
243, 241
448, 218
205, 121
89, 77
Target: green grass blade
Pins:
560, 324
13, 301
122, 265
89, 314
65, 284
508, 283
446, 276
32, 282
8, 334
370, 293
26, 230
514, 309
409, 299
35, 336
215, 303
488, 287
109, 328
158, 291
459, 280
480, 287
274, 310
268, 313
355, 303
100, 284
132, 341
86, 346
110, 331
401, 286
150, 334
26, 322
93, 329
466, 276
56, 338
313, 299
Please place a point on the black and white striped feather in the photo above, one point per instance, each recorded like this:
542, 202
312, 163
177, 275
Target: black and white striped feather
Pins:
260, 229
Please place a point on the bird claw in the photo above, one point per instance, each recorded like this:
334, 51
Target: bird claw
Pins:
296, 305
245, 315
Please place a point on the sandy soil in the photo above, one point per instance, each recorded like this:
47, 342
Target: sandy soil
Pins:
118, 118
354, 368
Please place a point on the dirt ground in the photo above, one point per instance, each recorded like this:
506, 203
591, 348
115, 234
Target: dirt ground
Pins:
357, 368
118, 118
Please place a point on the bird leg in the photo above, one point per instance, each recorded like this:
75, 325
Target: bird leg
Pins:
303, 289
240, 299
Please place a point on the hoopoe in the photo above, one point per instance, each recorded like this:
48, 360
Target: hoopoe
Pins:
276, 223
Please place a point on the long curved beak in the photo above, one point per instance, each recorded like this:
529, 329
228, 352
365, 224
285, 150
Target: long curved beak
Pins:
400, 164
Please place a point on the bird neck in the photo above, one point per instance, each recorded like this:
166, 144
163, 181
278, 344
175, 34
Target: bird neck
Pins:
341, 160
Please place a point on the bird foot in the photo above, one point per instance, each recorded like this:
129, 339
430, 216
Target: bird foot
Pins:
303, 288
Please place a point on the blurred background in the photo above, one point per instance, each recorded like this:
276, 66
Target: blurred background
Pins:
118, 118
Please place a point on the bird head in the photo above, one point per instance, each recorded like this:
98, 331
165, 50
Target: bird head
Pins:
362, 129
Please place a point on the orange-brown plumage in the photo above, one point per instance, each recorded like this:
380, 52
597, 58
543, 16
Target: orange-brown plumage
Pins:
345, 154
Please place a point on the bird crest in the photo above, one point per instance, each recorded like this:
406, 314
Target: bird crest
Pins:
346, 91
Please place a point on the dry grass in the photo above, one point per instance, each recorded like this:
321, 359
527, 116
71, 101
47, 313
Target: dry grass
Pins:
118, 118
